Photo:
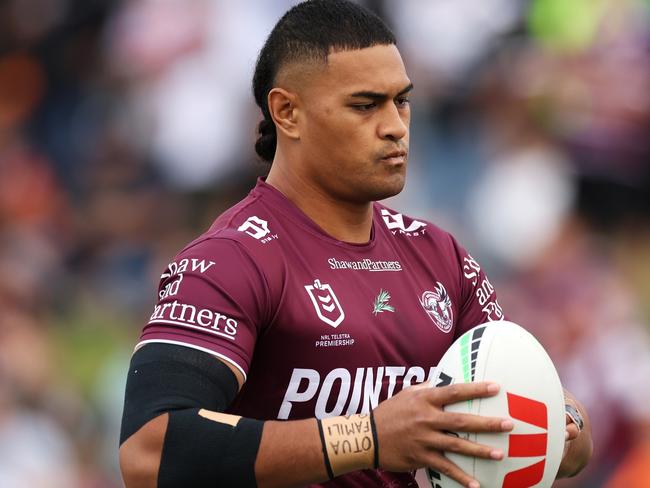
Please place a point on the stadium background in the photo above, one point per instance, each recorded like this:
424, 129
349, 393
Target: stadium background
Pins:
126, 127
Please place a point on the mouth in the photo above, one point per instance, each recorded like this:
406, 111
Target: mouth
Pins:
395, 157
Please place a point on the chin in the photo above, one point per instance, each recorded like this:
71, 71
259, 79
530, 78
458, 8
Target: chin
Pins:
388, 188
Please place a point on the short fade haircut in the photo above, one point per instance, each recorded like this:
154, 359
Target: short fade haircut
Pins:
309, 32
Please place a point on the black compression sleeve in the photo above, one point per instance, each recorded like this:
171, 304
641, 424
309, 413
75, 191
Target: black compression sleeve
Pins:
165, 377
197, 451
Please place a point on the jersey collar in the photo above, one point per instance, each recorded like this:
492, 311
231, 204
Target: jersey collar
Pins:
278, 201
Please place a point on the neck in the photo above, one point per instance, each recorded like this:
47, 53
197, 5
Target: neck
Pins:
345, 221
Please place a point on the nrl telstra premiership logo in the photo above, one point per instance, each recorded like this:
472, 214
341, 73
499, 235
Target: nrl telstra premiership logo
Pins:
327, 306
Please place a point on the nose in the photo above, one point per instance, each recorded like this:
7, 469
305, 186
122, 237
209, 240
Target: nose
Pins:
394, 124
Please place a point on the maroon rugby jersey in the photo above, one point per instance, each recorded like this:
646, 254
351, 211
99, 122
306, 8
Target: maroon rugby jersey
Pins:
320, 327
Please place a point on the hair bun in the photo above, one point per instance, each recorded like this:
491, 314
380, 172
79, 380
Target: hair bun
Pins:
266, 128
267, 142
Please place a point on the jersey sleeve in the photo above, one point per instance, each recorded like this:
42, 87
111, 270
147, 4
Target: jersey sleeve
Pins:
479, 303
213, 298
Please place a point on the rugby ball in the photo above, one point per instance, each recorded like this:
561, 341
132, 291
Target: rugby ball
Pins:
531, 395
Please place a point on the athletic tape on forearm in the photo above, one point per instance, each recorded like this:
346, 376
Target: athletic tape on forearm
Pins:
349, 443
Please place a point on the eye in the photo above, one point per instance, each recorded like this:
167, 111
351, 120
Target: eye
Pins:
364, 107
402, 102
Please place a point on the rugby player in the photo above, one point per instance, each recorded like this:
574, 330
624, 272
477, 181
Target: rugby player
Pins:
286, 337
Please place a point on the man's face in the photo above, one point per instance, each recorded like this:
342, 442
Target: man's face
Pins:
354, 133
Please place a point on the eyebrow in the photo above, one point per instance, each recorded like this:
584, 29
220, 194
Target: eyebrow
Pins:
380, 96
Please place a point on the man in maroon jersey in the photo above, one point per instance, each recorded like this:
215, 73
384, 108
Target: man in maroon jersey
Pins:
285, 337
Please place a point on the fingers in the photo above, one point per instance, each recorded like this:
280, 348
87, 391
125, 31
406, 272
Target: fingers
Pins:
461, 422
460, 392
572, 431
443, 465
458, 445
465, 422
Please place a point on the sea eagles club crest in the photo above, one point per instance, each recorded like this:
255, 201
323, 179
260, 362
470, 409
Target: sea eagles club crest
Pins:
325, 302
437, 305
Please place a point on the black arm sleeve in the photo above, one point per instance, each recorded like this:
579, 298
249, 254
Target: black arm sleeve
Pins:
197, 452
165, 377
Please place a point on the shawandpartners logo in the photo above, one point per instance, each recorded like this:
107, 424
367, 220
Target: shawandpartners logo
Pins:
177, 269
364, 265
192, 317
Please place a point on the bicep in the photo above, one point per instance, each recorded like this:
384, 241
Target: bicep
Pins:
165, 377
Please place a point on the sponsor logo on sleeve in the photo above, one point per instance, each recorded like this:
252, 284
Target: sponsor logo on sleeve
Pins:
192, 317
484, 291
171, 289
258, 229
437, 305
194, 265
395, 223
177, 270
326, 303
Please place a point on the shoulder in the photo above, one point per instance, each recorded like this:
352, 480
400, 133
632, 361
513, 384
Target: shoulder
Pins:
240, 239
243, 225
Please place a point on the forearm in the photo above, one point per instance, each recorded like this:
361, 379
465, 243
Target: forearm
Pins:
290, 454
140, 454
308, 451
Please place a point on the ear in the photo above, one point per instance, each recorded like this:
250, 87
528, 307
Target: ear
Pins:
284, 111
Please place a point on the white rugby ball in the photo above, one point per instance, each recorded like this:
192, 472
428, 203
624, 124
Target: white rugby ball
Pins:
531, 395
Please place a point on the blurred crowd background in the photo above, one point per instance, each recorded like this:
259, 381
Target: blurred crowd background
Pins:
126, 127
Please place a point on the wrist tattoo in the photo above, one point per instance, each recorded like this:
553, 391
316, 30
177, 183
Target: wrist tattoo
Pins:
349, 443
